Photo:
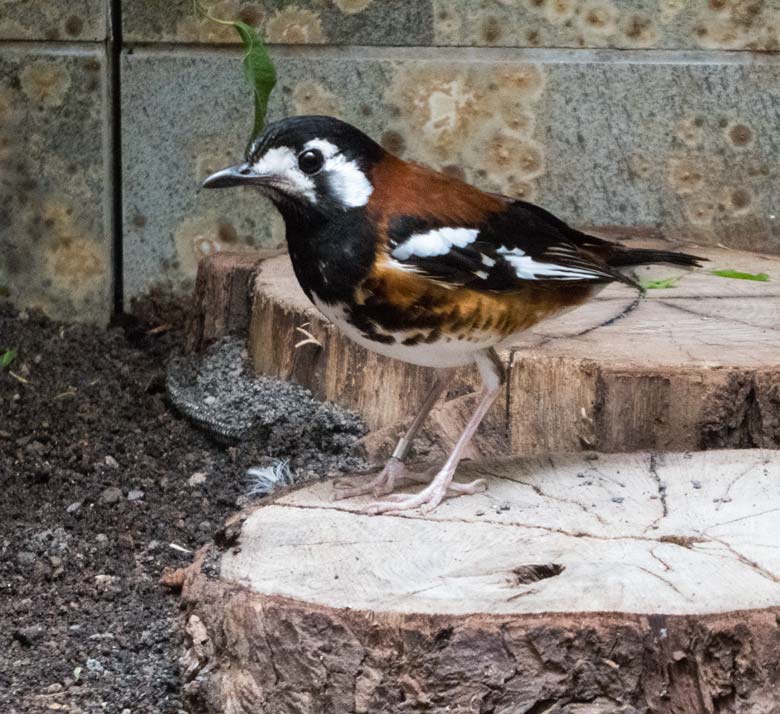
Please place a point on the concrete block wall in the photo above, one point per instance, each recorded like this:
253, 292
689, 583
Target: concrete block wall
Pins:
55, 159
654, 116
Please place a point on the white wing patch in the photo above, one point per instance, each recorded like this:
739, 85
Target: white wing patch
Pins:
436, 242
348, 184
529, 269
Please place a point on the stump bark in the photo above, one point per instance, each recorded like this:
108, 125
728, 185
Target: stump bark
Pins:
689, 367
621, 583
222, 299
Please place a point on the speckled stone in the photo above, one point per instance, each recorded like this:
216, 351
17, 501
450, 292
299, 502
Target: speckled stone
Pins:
75, 20
54, 192
681, 145
336, 22
632, 24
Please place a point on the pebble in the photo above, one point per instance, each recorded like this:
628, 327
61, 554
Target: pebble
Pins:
25, 557
205, 526
696, 484
74, 507
102, 539
198, 478
94, 665
29, 635
135, 495
618, 499
111, 462
113, 494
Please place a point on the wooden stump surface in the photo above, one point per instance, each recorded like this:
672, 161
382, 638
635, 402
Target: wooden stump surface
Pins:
671, 534
690, 367
622, 583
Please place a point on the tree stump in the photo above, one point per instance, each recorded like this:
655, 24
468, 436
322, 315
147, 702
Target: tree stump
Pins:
693, 366
620, 583
222, 299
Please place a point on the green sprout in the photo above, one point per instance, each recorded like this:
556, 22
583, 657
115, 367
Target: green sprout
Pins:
259, 70
737, 275
661, 284
7, 358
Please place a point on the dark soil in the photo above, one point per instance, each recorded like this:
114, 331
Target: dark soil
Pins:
102, 485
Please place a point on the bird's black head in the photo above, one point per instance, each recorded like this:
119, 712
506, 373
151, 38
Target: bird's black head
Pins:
307, 165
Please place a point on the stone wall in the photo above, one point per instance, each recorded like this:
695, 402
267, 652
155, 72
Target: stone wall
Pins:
55, 159
658, 116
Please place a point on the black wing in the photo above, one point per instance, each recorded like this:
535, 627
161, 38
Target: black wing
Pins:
520, 245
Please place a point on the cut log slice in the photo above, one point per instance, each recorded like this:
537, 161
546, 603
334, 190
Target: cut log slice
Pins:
619, 583
687, 367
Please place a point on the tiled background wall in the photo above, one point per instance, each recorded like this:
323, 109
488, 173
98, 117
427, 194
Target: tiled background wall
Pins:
659, 115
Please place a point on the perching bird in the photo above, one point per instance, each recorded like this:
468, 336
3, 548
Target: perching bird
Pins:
421, 267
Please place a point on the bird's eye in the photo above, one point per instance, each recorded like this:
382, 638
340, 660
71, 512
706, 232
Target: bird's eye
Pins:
310, 161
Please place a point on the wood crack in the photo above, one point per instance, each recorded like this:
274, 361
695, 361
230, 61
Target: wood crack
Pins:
763, 572
661, 487
539, 491
663, 580
726, 494
719, 318
627, 310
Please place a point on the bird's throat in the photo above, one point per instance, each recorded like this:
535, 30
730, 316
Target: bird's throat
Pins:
330, 257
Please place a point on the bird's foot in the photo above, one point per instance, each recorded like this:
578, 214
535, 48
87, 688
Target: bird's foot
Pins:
430, 497
383, 484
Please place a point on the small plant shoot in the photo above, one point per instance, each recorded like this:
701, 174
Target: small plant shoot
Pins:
7, 358
259, 70
662, 284
737, 275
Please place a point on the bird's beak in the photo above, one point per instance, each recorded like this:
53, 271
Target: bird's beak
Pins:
238, 175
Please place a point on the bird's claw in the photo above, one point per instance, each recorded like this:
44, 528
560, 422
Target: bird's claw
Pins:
427, 499
382, 485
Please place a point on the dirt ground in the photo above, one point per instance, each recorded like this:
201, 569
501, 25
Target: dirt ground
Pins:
102, 485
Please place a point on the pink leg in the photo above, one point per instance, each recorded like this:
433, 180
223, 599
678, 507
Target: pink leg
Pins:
432, 495
394, 470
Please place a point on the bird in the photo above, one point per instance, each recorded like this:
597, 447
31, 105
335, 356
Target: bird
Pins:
422, 267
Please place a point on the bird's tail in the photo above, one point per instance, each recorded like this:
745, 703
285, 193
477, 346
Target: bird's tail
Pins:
628, 257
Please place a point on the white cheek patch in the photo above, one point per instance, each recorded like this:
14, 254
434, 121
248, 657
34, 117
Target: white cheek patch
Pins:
348, 185
437, 242
527, 268
281, 163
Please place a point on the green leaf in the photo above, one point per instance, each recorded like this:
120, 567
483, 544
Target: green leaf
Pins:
7, 357
259, 70
737, 275
660, 284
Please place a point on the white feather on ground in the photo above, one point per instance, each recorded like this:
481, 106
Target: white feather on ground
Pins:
267, 479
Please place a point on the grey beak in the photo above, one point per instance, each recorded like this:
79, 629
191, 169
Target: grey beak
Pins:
238, 175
